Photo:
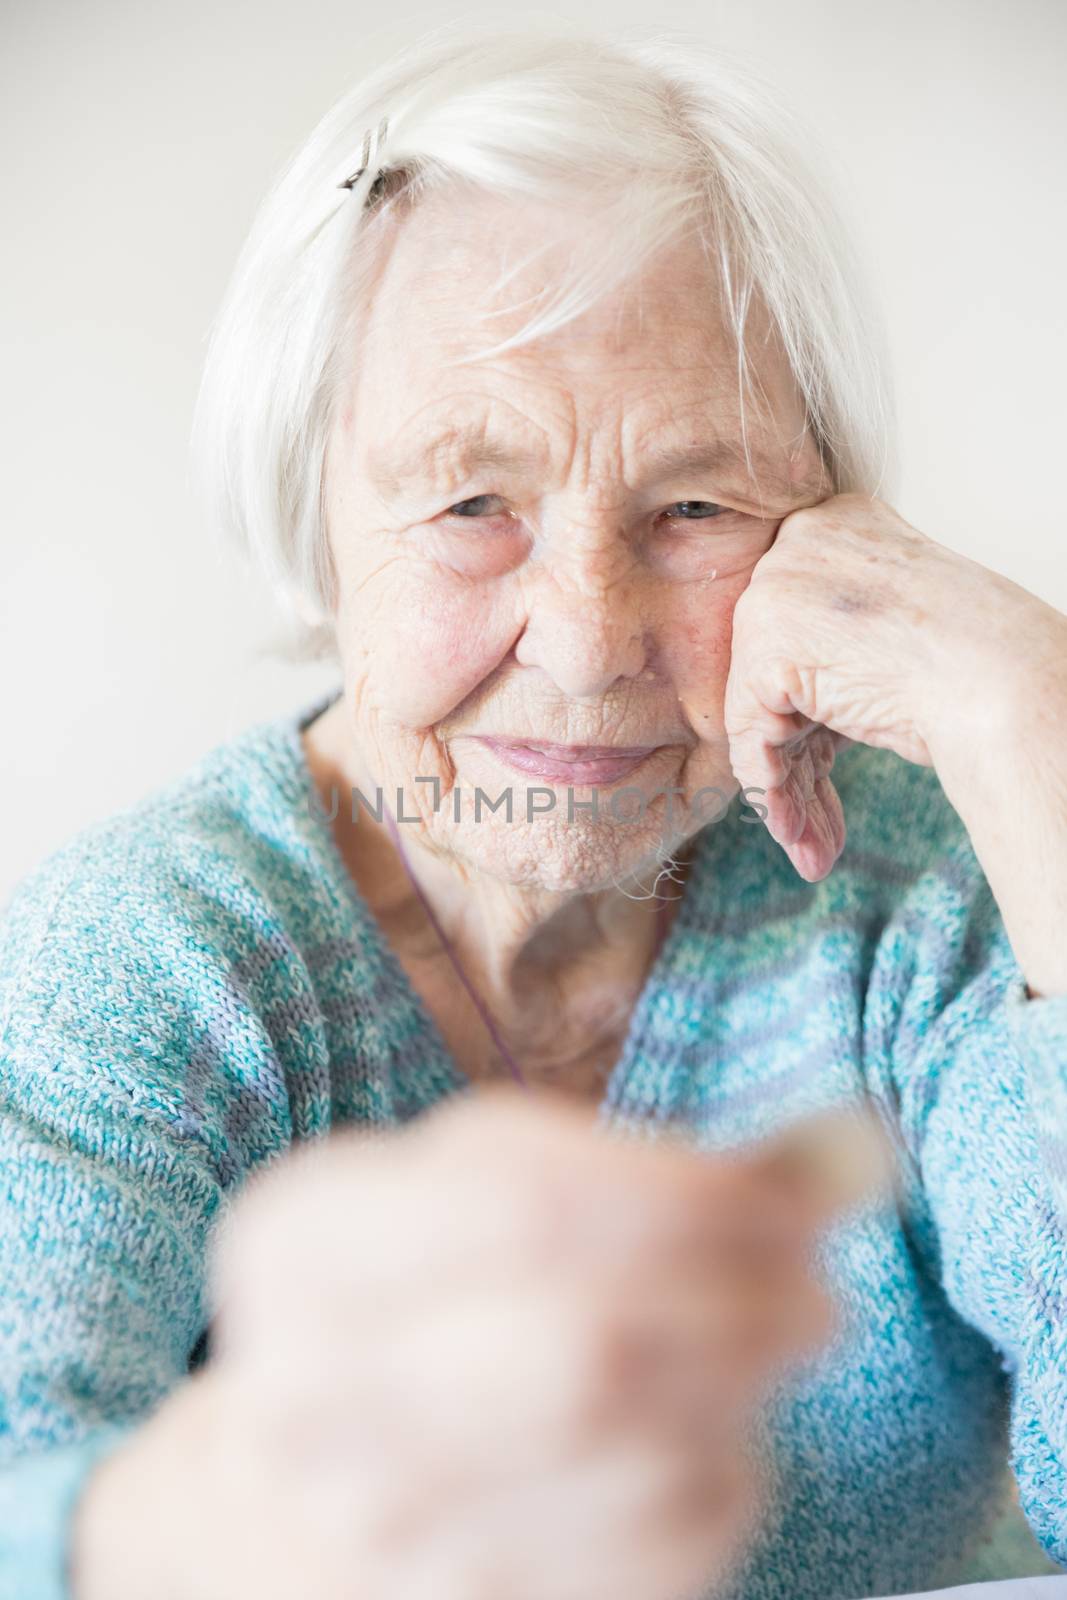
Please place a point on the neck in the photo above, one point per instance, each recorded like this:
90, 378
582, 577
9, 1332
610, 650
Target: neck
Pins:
528, 946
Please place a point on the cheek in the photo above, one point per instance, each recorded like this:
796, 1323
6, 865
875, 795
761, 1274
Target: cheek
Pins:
700, 665
422, 644
696, 653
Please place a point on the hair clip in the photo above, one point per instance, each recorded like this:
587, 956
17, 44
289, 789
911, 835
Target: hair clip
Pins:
372, 143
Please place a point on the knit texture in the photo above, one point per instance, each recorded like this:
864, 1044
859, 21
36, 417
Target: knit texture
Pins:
194, 984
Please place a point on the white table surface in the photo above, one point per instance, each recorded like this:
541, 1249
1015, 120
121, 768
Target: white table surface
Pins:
1050, 1588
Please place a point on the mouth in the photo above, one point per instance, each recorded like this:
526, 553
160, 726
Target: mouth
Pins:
577, 764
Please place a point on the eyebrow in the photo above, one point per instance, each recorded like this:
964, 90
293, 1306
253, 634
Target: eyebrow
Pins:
719, 455
468, 446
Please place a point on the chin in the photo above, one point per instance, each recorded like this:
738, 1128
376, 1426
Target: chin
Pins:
558, 856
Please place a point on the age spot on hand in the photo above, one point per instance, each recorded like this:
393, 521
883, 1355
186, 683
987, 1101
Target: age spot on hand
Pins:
856, 600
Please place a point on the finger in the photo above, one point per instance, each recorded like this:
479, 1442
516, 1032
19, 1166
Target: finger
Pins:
801, 807
631, 1523
775, 748
518, 1373
805, 764
531, 1190
761, 719
522, 1373
821, 840
533, 1184
829, 1163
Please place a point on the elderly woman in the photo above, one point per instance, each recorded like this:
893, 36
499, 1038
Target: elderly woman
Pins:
545, 395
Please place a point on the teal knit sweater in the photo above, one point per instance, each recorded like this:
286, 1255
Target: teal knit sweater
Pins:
192, 985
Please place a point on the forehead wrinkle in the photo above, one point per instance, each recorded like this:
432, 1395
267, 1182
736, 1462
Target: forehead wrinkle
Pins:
453, 444
469, 447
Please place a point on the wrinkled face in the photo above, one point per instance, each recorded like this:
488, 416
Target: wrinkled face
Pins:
548, 546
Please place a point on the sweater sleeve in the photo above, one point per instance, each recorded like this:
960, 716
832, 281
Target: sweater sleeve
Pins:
977, 1072
137, 1085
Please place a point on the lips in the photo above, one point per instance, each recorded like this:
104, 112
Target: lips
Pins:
579, 752
570, 763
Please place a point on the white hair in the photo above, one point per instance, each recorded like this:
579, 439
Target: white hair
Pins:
654, 133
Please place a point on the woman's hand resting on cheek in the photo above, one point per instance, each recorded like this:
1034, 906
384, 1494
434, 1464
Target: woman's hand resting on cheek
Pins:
498, 1355
857, 627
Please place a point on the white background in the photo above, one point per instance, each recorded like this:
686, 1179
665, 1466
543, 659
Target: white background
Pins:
137, 139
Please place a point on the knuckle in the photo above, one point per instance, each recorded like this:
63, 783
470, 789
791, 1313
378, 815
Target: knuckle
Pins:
703, 1520
800, 521
703, 1491
612, 1356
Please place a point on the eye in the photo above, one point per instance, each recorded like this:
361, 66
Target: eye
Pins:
477, 500
698, 511
687, 510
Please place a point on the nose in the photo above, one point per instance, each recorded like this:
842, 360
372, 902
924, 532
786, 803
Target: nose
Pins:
584, 625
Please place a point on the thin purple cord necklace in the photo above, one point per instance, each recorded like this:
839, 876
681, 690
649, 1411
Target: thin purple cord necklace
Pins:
662, 912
